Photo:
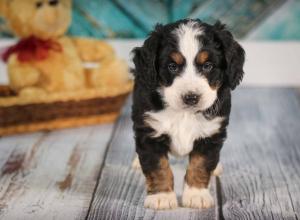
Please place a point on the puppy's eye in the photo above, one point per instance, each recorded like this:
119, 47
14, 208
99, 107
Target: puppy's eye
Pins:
207, 66
173, 67
38, 4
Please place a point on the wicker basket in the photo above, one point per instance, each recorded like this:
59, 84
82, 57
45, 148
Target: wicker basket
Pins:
59, 110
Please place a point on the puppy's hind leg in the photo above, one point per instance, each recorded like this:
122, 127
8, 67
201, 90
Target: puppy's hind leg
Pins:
218, 170
136, 163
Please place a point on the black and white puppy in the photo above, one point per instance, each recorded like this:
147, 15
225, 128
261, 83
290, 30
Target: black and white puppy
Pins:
184, 74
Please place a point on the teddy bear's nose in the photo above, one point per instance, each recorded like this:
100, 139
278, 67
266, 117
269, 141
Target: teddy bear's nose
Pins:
53, 2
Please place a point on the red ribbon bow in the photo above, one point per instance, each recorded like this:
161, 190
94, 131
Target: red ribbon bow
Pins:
31, 49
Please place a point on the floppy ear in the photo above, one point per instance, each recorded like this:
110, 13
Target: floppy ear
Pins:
145, 59
234, 55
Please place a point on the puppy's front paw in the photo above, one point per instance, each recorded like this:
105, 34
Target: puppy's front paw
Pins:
197, 198
166, 200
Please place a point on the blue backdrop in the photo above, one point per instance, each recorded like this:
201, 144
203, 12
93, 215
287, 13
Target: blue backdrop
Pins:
248, 19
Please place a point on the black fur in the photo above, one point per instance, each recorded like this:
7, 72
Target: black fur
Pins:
151, 73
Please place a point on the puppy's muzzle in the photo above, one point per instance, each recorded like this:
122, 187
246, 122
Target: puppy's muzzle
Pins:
191, 99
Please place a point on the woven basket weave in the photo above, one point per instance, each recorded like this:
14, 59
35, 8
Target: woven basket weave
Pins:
59, 110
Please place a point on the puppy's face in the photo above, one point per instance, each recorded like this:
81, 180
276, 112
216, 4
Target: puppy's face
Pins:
190, 62
189, 68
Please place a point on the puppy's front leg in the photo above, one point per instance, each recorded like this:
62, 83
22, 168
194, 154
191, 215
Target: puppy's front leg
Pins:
196, 193
159, 182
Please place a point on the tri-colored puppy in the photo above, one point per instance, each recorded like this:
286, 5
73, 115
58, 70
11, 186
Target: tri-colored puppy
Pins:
184, 74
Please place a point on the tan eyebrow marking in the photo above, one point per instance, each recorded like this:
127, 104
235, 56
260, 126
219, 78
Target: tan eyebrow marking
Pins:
202, 57
177, 57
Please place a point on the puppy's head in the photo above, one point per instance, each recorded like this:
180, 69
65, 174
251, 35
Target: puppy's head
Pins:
187, 62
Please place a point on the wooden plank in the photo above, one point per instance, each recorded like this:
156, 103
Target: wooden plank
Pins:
51, 175
121, 189
261, 157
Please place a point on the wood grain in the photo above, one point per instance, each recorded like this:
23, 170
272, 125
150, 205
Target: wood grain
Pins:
54, 175
121, 190
51, 175
261, 157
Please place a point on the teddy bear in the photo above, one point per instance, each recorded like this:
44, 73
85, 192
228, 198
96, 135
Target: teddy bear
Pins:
45, 60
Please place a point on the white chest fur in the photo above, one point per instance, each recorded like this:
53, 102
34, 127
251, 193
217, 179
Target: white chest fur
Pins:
183, 127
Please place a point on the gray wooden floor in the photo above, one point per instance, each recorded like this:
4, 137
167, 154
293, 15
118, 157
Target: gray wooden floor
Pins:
85, 173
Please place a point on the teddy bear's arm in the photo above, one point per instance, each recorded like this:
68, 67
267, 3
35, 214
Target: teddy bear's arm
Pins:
21, 75
92, 50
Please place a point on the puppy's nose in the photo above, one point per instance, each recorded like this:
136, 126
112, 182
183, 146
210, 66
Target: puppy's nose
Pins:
190, 98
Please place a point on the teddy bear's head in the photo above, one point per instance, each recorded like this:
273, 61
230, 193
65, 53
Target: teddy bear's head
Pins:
43, 19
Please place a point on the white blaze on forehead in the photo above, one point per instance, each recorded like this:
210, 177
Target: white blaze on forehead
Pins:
187, 35
190, 80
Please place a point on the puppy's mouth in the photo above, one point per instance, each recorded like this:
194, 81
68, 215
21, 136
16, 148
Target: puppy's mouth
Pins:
199, 111
192, 101
194, 110
210, 110
202, 111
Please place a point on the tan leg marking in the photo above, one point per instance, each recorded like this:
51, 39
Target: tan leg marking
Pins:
160, 194
196, 193
196, 174
161, 179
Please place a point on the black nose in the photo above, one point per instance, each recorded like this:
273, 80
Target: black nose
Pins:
190, 98
53, 2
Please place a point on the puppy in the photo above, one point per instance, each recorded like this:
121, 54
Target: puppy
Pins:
184, 74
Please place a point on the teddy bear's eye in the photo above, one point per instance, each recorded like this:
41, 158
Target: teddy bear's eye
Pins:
39, 4
53, 2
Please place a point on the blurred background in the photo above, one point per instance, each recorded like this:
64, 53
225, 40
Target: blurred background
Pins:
248, 19
269, 30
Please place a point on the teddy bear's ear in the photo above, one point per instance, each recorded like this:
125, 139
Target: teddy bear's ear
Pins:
67, 2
